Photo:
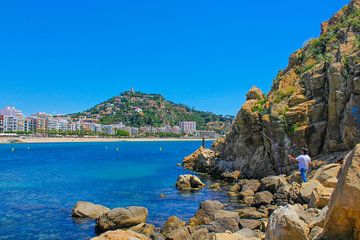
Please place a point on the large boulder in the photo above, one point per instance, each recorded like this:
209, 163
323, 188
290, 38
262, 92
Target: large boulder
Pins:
252, 185
180, 234
272, 183
320, 197
225, 221
202, 234
88, 210
121, 235
119, 218
343, 216
285, 223
144, 228
189, 182
309, 187
250, 213
327, 175
250, 223
206, 212
263, 198
172, 224
202, 160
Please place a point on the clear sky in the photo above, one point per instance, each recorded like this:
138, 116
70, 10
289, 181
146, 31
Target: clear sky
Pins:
64, 56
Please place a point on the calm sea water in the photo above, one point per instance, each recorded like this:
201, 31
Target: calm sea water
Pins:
40, 183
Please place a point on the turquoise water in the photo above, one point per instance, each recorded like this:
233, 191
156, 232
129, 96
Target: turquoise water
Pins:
40, 183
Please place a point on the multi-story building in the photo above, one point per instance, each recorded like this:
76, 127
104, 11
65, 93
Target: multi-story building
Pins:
63, 124
29, 125
40, 122
107, 129
176, 129
20, 120
95, 127
187, 126
134, 131
12, 120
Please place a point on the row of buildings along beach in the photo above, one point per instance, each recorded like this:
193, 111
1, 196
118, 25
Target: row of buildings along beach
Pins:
13, 121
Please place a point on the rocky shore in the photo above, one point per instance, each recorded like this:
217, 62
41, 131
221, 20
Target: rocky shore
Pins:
314, 102
273, 208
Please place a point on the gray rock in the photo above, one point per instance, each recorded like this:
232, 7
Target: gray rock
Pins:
88, 210
250, 213
263, 198
118, 218
272, 183
250, 223
189, 182
249, 185
285, 223
206, 212
201, 234
225, 220
180, 234
171, 224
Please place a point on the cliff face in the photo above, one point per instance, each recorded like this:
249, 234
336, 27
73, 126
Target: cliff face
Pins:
314, 102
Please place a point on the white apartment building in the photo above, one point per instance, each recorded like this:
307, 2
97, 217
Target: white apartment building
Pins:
187, 126
11, 120
108, 129
59, 124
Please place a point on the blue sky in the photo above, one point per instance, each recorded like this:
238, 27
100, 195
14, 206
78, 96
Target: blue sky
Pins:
66, 56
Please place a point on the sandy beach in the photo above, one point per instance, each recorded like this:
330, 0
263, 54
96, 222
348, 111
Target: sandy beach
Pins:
4, 140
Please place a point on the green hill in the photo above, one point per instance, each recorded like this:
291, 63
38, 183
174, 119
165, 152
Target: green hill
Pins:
140, 109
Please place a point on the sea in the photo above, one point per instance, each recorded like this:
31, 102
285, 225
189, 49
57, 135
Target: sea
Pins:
41, 182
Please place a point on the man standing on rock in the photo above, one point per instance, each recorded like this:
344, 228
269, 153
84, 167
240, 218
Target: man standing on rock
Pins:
303, 161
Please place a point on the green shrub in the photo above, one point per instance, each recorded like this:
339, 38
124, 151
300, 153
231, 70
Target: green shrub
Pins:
283, 93
122, 133
260, 107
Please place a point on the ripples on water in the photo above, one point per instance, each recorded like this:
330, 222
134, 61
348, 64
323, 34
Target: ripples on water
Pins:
40, 183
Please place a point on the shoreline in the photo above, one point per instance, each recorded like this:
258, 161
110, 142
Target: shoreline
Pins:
20, 140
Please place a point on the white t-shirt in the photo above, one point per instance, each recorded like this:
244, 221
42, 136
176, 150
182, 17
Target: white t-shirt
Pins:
304, 161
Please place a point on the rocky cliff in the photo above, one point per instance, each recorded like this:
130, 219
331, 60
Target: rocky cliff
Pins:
314, 102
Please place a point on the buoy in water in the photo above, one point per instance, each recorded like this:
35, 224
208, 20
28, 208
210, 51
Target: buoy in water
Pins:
28, 147
117, 149
106, 147
160, 149
12, 149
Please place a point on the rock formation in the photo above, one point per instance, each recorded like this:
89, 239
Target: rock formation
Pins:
285, 223
343, 216
313, 102
88, 210
118, 218
189, 182
121, 235
202, 160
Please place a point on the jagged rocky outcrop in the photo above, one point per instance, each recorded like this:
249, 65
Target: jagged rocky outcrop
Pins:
189, 182
343, 210
314, 102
